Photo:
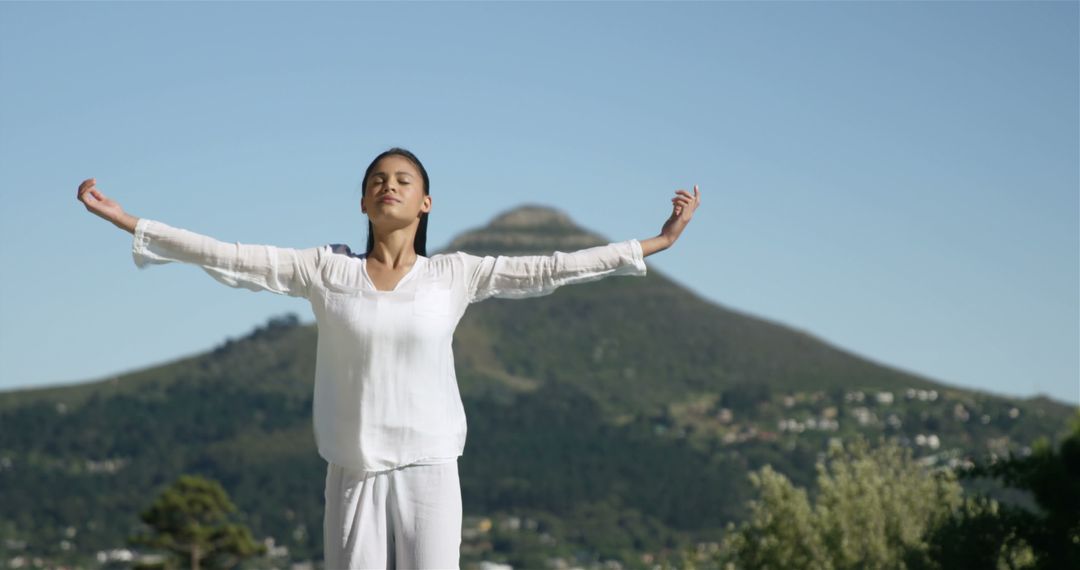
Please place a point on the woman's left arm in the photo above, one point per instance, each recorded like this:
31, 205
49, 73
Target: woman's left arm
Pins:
683, 206
518, 277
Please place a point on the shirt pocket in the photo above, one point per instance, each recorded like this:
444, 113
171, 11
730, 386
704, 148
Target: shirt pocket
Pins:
432, 302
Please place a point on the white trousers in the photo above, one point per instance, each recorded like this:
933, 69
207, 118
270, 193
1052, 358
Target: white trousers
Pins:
409, 517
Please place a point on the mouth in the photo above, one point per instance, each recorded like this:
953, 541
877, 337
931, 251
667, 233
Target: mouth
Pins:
388, 200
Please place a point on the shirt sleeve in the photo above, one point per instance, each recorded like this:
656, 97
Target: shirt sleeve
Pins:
517, 277
280, 270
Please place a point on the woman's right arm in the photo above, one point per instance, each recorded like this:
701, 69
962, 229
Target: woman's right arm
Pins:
105, 207
280, 270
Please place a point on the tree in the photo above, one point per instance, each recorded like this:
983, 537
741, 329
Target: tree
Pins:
188, 520
975, 537
989, 535
872, 507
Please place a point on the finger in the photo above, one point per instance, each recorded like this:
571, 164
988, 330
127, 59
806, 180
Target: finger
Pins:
87, 185
97, 194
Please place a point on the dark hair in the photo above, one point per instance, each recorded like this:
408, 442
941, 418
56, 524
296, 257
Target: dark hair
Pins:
420, 241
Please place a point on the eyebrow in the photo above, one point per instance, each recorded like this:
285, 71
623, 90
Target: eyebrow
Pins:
398, 172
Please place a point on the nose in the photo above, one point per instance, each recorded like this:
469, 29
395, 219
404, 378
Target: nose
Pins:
387, 194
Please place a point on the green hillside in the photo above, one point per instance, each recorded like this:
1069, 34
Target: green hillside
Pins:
616, 419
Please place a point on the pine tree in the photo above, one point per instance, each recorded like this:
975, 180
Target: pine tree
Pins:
188, 519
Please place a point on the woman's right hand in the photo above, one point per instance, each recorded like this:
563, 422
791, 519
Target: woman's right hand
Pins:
684, 205
103, 206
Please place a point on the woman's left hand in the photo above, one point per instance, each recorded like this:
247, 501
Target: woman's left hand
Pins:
683, 209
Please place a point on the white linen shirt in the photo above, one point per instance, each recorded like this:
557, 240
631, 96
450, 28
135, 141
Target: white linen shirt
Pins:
386, 392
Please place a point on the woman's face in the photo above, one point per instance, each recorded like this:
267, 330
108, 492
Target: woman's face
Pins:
396, 178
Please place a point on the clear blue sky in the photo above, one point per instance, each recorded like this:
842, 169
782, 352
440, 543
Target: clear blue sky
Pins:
898, 179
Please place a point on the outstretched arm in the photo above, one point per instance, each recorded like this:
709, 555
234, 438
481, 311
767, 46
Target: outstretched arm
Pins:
516, 277
280, 270
521, 276
683, 207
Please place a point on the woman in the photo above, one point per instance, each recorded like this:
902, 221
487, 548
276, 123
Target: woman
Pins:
387, 413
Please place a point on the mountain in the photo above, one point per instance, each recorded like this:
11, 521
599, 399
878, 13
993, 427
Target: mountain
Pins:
617, 418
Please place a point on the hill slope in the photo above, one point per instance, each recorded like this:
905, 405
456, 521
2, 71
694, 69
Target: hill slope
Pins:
622, 414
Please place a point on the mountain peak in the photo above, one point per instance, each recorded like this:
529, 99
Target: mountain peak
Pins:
532, 216
529, 229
